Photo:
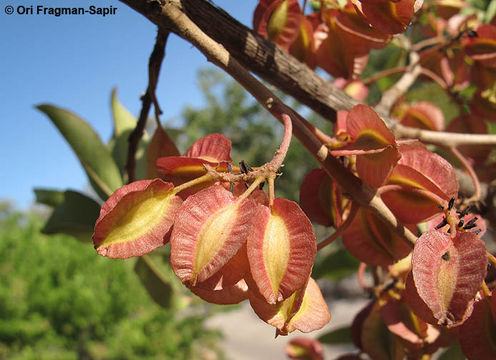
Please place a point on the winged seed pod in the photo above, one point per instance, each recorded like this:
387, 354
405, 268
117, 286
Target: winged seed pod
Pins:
136, 219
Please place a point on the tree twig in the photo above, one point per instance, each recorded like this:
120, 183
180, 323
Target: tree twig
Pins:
147, 99
442, 138
392, 94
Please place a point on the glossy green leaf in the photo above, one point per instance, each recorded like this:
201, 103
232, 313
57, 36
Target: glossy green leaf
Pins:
49, 197
123, 119
124, 124
75, 215
337, 336
155, 282
336, 265
96, 159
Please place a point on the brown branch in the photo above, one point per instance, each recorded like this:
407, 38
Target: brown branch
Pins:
171, 17
147, 99
384, 73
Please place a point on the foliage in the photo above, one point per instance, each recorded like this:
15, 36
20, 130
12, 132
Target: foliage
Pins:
59, 301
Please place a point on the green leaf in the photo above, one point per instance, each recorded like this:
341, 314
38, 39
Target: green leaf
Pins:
490, 12
75, 215
336, 265
123, 119
337, 336
124, 124
157, 285
94, 156
454, 352
49, 197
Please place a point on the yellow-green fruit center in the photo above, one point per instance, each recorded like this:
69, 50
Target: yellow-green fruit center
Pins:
276, 250
140, 219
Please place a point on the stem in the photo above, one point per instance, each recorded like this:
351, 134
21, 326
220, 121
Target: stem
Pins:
154, 64
271, 191
434, 77
485, 290
491, 258
468, 167
340, 229
427, 42
199, 180
276, 162
384, 73
361, 272
252, 187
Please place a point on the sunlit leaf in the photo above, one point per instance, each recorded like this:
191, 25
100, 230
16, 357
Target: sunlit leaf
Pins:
101, 169
124, 124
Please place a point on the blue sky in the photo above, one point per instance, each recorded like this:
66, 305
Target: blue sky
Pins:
74, 62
